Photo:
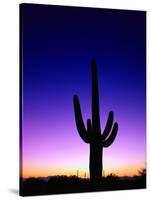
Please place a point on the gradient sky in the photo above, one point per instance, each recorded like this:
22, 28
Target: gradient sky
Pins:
58, 46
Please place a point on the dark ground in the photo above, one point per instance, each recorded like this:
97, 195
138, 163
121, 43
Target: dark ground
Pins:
73, 184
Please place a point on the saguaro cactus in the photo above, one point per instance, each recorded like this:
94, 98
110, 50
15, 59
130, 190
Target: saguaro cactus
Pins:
92, 134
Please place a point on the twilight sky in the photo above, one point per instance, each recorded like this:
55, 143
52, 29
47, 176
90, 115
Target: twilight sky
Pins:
58, 46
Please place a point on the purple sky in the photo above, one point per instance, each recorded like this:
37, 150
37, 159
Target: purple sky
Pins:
57, 53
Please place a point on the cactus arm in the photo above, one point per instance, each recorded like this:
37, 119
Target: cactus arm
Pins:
112, 136
89, 125
95, 99
79, 120
89, 130
108, 126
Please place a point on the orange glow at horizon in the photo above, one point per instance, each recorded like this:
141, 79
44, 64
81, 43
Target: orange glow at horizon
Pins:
36, 171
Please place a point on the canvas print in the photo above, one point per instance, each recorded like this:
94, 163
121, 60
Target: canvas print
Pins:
82, 99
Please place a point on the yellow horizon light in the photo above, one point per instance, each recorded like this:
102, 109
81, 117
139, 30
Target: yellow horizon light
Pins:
36, 171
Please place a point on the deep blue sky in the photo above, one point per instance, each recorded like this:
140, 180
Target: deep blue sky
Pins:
58, 45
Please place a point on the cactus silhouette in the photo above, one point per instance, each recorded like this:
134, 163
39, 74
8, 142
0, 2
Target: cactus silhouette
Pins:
92, 134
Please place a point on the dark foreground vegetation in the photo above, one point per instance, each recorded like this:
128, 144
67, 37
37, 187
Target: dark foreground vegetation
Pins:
74, 184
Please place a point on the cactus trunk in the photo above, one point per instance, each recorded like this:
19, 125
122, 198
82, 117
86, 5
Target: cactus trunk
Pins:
96, 164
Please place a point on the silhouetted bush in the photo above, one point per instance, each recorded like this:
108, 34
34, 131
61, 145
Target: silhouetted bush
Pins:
112, 177
141, 177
